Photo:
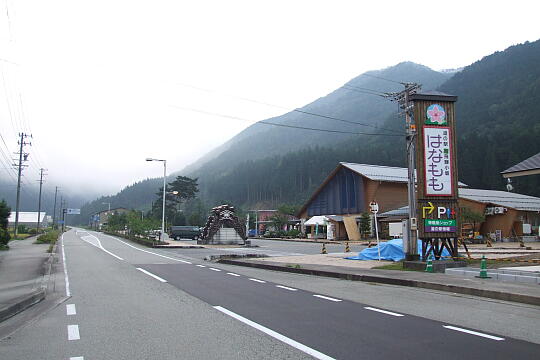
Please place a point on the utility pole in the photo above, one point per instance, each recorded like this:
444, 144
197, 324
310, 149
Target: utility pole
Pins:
403, 99
63, 203
39, 202
22, 157
54, 209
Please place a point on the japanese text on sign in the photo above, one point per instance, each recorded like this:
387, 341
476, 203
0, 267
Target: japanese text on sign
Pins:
438, 169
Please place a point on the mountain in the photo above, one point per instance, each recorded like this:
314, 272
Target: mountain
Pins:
259, 142
350, 103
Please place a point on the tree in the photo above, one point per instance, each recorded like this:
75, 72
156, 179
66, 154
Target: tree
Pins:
5, 211
365, 224
278, 221
181, 189
467, 215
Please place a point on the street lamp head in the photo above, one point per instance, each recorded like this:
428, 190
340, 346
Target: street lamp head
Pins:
149, 159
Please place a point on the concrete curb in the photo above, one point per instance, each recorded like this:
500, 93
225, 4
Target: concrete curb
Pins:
21, 304
492, 294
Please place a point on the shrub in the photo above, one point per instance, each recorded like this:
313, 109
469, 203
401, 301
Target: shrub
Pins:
293, 233
22, 229
49, 237
4, 238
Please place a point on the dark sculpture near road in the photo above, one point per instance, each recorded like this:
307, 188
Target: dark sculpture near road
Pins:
222, 216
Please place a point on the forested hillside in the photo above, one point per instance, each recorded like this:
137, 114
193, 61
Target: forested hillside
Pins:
497, 118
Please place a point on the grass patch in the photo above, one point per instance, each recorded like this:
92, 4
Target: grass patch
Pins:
398, 265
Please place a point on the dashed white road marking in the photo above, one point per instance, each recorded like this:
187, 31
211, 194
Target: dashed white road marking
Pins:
214, 269
66, 278
286, 288
200, 266
77, 358
233, 274
70, 309
474, 333
152, 275
382, 311
73, 332
310, 351
259, 281
327, 298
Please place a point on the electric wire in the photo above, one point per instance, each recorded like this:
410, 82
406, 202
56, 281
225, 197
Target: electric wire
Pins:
264, 122
374, 92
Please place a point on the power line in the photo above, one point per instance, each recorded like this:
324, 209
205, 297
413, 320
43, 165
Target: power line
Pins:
281, 125
372, 92
381, 78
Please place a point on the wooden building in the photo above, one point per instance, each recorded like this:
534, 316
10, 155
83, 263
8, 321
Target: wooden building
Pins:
349, 189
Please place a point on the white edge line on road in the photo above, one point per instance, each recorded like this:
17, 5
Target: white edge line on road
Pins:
233, 274
152, 275
70, 309
66, 278
327, 298
286, 288
473, 333
382, 311
100, 246
73, 332
149, 252
214, 269
316, 354
257, 280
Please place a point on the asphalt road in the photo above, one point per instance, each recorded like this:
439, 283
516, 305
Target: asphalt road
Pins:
132, 302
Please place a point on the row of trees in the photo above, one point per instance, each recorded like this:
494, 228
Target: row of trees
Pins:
5, 211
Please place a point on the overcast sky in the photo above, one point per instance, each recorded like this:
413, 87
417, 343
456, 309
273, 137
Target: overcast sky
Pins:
97, 82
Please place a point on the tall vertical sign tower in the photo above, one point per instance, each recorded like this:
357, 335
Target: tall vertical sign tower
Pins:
436, 166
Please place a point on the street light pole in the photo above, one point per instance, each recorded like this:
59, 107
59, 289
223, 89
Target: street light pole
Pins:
162, 235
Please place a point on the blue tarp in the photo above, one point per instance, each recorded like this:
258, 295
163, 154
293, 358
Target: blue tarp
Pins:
390, 250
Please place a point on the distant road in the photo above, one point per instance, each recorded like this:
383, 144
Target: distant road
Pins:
131, 302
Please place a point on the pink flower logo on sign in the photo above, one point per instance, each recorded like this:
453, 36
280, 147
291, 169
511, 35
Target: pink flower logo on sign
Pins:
436, 115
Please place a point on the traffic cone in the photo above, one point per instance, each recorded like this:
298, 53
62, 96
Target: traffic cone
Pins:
323, 250
429, 265
347, 248
483, 269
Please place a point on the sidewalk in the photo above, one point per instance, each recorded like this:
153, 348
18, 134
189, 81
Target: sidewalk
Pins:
22, 270
516, 292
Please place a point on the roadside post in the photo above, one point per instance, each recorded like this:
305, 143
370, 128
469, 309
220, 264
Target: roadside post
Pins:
374, 207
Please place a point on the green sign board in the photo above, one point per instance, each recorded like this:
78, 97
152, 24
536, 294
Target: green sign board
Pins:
440, 222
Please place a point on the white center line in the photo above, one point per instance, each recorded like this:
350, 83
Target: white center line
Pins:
473, 333
70, 309
66, 278
200, 266
327, 298
214, 269
286, 288
257, 280
316, 354
152, 275
382, 311
233, 274
73, 332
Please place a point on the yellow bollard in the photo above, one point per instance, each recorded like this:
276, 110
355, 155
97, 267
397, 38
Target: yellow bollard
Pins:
347, 248
323, 250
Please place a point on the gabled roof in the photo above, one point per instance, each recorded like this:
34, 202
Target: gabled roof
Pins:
502, 198
528, 166
27, 217
378, 172
372, 172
